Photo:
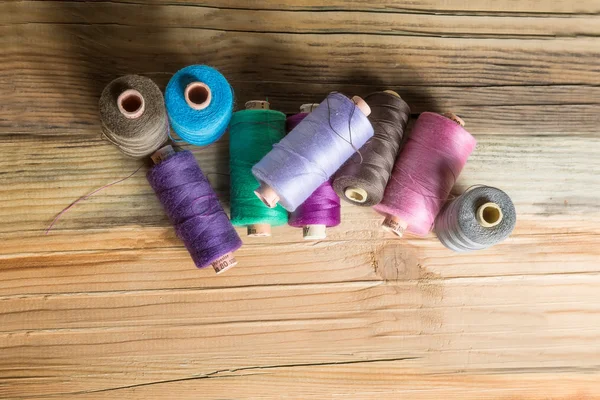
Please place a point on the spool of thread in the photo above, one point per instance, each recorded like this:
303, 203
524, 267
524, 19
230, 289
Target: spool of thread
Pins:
132, 111
322, 208
252, 134
193, 208
199, 104
363, 178
308, 156
480, 218
424, 173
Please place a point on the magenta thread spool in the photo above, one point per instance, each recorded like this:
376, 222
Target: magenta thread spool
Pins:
424, 173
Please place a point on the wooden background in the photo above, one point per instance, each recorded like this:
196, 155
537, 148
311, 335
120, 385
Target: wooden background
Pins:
109, 304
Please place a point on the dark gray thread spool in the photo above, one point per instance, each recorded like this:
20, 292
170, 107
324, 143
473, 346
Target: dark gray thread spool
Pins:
480, 218
363, 178
133, 115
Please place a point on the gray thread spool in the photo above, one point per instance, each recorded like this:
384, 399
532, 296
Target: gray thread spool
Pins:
480, 218
133, 114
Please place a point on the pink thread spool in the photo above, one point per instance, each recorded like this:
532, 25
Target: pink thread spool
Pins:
424, 173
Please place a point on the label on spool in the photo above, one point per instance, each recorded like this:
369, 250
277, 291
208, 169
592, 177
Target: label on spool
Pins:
162, 154
223, 263
394, 225
257, 105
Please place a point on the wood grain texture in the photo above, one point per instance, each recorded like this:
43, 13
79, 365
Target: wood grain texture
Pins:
109, 305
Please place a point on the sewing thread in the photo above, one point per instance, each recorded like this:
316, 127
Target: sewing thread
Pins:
194, 209
424, 173
199, 103
313, 151
322, 209
480, 218
252, 134
363, 178
133, 116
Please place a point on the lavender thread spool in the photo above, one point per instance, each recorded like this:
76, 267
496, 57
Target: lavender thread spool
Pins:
322, 208
313, 151
192, 206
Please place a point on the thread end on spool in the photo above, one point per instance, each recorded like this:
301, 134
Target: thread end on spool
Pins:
224, 263
362, 105
131, 104
257, 105
259, 230
356, 194
489, 215
308, 107
393, 93
267, 195
314, 232
393, 224
455, 118
198, 95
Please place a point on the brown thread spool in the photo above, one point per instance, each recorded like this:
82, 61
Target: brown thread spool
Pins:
266, 193
258, 230
198, 95
397, 225
363, 178
226, 261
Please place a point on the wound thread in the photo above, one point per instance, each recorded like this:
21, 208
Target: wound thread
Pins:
363, 178
133, 116
479, 218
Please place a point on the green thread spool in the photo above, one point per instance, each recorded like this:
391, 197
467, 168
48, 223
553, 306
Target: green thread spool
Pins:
252, 134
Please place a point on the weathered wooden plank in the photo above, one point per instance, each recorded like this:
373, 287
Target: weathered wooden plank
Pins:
508, 7
47, 175
470, 324
287, 21
370, 380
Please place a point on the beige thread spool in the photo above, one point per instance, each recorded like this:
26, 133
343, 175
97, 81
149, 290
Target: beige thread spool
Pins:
224, 262
258, 230
197, 95
397, 225
268, 195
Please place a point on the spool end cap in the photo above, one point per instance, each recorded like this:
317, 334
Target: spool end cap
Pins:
356, 194
392, 92
455, 118
224, 263
267, 195
362, 105
314, 232
394, 224
257, 105
259, 230
308, 107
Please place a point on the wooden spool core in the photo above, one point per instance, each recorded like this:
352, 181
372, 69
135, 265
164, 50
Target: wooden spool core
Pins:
455, 118
357, 195
224, 263
393, 224
489, 215
267, 195
314, 232
257, 105
362, 105
131, 104
308, 107
198, 95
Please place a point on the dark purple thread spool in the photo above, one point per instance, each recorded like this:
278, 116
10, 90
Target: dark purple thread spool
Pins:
322, 209
194, 209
